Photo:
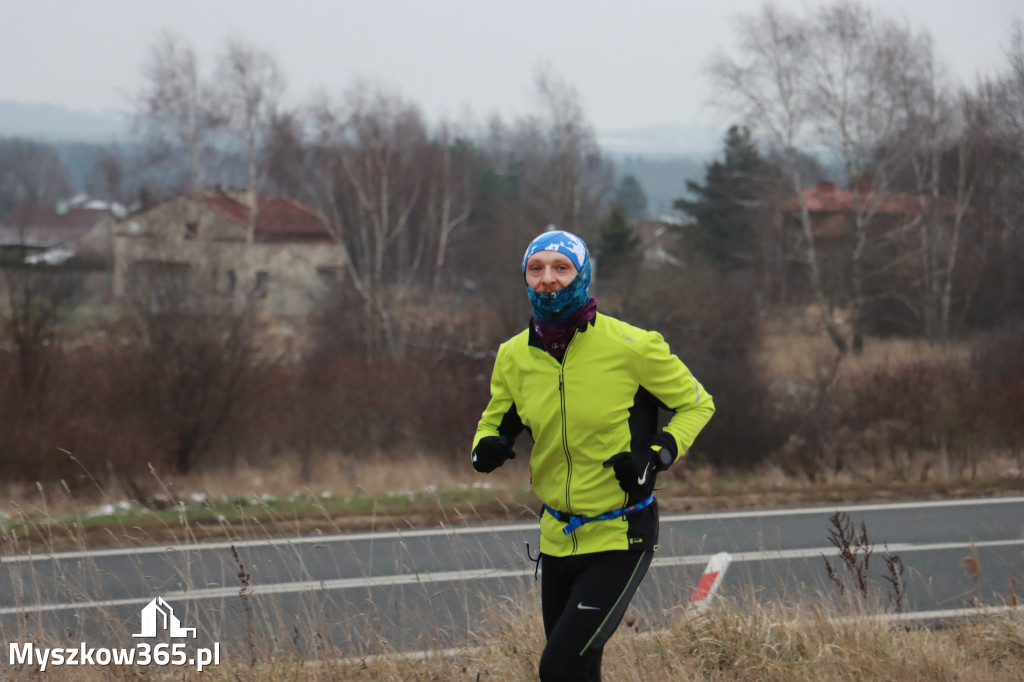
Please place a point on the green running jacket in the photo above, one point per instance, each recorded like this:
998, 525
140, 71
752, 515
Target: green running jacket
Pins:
602, 399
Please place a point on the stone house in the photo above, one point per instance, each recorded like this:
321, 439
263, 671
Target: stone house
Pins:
285, 257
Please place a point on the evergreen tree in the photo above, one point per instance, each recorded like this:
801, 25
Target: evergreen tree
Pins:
722, 208
632, 197
619, 245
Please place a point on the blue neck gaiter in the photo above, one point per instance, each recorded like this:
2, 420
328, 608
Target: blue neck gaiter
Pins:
564, 303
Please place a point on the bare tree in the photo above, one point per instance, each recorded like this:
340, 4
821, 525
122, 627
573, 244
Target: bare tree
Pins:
30, 173
1011, 112
449, 197
401, 193
834, 82
370, 182
967, 160
39, 298
767, 86
175, 107
251, 85
948, 161
1007, 201
566, 180
34, 298
864, 65
191, 353
1014, 78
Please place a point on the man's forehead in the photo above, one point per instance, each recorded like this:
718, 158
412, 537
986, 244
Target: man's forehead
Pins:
549, 255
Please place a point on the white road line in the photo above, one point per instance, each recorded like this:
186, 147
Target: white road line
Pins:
465, 576
866, 507
488, 529
261, 542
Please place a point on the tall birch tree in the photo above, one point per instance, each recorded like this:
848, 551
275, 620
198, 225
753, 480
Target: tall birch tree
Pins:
251, 85
830, 82
175, 107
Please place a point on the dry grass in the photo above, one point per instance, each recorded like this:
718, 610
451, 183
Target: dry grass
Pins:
793, 347
330, 474
338, 493
288, 497
738, 642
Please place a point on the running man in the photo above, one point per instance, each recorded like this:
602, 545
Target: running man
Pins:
588, 388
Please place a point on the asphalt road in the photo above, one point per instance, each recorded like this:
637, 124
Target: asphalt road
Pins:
369, 592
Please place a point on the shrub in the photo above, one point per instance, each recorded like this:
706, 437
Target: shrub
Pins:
882, 419
711, 321
423, 401
997, 366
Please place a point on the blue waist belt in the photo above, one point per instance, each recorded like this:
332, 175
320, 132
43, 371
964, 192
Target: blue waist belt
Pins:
573, 521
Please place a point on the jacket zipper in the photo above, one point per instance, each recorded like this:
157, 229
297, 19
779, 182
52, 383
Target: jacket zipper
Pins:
565, 436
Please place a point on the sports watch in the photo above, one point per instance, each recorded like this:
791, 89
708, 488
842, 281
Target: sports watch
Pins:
663, 457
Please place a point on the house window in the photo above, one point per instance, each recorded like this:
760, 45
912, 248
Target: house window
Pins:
191, 230
327, 282
230, 279
259, 290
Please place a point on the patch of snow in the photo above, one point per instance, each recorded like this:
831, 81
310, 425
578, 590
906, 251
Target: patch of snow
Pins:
50, 257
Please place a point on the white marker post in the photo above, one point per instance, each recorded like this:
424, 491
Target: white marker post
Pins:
700, 601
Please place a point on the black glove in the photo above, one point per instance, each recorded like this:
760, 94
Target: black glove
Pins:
491, 452
634, 471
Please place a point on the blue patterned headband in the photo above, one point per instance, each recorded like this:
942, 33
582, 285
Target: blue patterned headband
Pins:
561, 241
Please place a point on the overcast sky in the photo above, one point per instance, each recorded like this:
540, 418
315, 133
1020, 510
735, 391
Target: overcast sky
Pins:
633, 62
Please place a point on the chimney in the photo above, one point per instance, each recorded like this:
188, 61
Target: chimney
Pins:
826, 187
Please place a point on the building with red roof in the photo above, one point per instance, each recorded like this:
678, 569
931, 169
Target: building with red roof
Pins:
832, 211
66, 229
75, 236
893, 225
282, 255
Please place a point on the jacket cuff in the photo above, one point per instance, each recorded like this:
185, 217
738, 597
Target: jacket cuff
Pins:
668, 442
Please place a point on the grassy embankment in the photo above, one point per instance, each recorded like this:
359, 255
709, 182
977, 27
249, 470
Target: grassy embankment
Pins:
738, 640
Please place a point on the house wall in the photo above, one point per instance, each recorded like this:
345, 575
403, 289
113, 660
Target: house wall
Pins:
289, 283
283, 276
96, 244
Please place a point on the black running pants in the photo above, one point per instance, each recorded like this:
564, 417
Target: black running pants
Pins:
583, 599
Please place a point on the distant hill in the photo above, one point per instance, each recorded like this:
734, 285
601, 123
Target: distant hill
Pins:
662, 178
51, 123
662, 157
662, 140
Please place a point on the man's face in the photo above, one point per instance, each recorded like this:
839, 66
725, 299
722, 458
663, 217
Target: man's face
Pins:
549, 271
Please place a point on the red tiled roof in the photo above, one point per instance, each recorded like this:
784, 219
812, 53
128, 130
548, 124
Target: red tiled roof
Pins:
278, 218
45, 226
827, 199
